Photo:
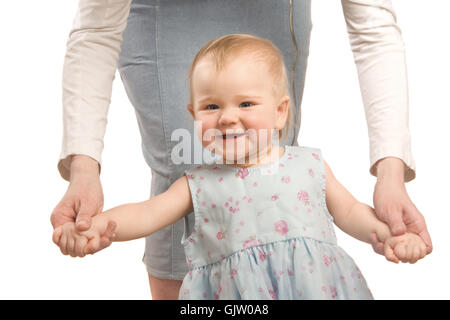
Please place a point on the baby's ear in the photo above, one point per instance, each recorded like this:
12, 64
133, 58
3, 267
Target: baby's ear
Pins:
191, 110
282, 112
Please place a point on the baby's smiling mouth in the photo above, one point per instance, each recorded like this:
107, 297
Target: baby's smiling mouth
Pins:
232, 135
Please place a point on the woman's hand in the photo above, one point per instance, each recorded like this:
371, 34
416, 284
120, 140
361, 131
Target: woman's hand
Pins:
393, 205
83, 200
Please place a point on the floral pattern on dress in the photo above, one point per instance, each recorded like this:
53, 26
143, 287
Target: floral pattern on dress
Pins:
281, 227
303, 196
242, 173
266, 236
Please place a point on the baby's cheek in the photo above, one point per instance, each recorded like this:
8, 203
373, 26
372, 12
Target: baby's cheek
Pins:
206, 132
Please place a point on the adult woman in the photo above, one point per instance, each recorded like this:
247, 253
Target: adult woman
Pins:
160, 39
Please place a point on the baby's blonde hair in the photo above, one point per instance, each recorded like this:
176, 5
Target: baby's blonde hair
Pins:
224, 48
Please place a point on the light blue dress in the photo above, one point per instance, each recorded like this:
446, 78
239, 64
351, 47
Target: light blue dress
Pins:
266, 233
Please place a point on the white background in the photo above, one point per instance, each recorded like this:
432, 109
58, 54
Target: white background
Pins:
33, 39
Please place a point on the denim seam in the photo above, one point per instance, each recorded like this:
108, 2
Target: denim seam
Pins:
302, 56
163, 115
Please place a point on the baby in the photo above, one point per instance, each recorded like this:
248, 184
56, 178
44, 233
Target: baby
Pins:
264, 214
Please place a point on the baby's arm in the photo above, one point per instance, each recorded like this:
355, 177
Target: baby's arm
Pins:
137, 220
133, 220
359, 220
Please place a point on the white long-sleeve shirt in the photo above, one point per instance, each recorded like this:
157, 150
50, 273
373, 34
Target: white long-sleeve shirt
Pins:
93, 51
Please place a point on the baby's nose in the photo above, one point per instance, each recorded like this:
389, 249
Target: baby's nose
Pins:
229, 116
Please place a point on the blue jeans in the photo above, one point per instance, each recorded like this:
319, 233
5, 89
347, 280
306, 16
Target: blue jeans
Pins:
159, 43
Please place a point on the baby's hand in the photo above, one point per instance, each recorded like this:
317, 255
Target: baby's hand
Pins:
69, 240
408, 247
82, 243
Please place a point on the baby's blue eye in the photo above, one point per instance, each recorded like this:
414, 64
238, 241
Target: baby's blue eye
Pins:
212, 106
246, 104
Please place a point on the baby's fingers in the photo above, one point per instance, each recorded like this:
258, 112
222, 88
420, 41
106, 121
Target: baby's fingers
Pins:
401, 251
71, 245
389, 254
420, 252
410, 251
415, 255
80, 244
57, 235
92, 245
110, 228
107, 238
63, 244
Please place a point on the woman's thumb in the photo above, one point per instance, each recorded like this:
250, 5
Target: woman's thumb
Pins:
395, 222
83, 220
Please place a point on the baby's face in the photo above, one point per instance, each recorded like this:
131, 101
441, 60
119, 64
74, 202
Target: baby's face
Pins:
237, 107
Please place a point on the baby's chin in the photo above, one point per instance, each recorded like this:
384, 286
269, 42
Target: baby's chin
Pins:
243, 150
244, 157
